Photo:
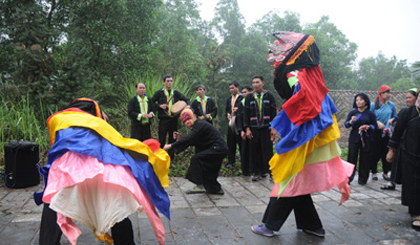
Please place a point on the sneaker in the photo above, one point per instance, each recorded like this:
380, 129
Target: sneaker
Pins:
262, 230
317, 232
256, 177
196, 190
220, 192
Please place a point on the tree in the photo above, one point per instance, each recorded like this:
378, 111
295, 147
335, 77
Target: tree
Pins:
177, 40
215, 63
337, 53
375, 72
25, 41
272, 22
415, 72
229, 24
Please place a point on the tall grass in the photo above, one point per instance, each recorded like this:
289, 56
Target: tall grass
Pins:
19, 121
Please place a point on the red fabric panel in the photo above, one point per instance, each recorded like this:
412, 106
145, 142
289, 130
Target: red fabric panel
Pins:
306, 103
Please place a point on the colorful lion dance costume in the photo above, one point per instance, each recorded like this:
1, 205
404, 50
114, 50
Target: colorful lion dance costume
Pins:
97, 177
308, 156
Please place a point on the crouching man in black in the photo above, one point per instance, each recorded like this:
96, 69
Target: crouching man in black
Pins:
210, 150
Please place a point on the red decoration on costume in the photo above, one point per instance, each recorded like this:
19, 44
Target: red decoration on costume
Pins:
306, 104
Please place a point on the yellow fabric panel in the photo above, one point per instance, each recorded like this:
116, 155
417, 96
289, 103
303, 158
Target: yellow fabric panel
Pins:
160, 160
289, 163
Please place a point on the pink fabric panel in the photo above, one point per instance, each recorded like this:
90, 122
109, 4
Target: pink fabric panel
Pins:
73, 168
319, 177
69, 228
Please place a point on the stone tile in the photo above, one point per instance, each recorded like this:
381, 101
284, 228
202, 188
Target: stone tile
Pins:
375, 194
396, 242
352, 203
27, 218
19, 233
390, 200
332, 194
256, 209
203, 212
358, 195
320, 198
225, 200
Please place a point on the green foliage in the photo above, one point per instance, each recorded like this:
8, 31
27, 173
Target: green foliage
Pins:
375, 72
177, 40
337, 53
20, 122
415, 72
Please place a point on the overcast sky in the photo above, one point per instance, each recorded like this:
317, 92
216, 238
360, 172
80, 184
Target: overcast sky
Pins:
389, 26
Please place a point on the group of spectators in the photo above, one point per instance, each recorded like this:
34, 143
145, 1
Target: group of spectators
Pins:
249, 114
379, 133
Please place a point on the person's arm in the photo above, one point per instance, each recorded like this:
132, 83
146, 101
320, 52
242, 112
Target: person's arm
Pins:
150, 108
132, 113
155, 101
246, 121
240, 118
188, 140
195, 107
348, 123
393, 114
273, 108
399, 129
228, 111
373, 122
180, 96
213, 108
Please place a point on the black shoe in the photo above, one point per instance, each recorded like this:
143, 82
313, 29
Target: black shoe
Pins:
385, 176
256, 177
361, 182
264, 175
388, 187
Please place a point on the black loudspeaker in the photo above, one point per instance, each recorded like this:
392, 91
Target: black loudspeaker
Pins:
21, 158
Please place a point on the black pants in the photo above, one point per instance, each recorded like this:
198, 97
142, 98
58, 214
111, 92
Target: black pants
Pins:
261, 150
204, 169
279, 209
380, 149
50, 233
245, 156
167, 127
233, 140
141, 132
356, 150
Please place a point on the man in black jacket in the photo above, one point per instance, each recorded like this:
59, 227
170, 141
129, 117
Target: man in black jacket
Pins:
203, 106
164, 99
245, 149
210, 150
260, 110
140, 111
232, 105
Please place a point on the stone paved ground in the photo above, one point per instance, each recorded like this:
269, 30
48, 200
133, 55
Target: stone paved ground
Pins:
371, 216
